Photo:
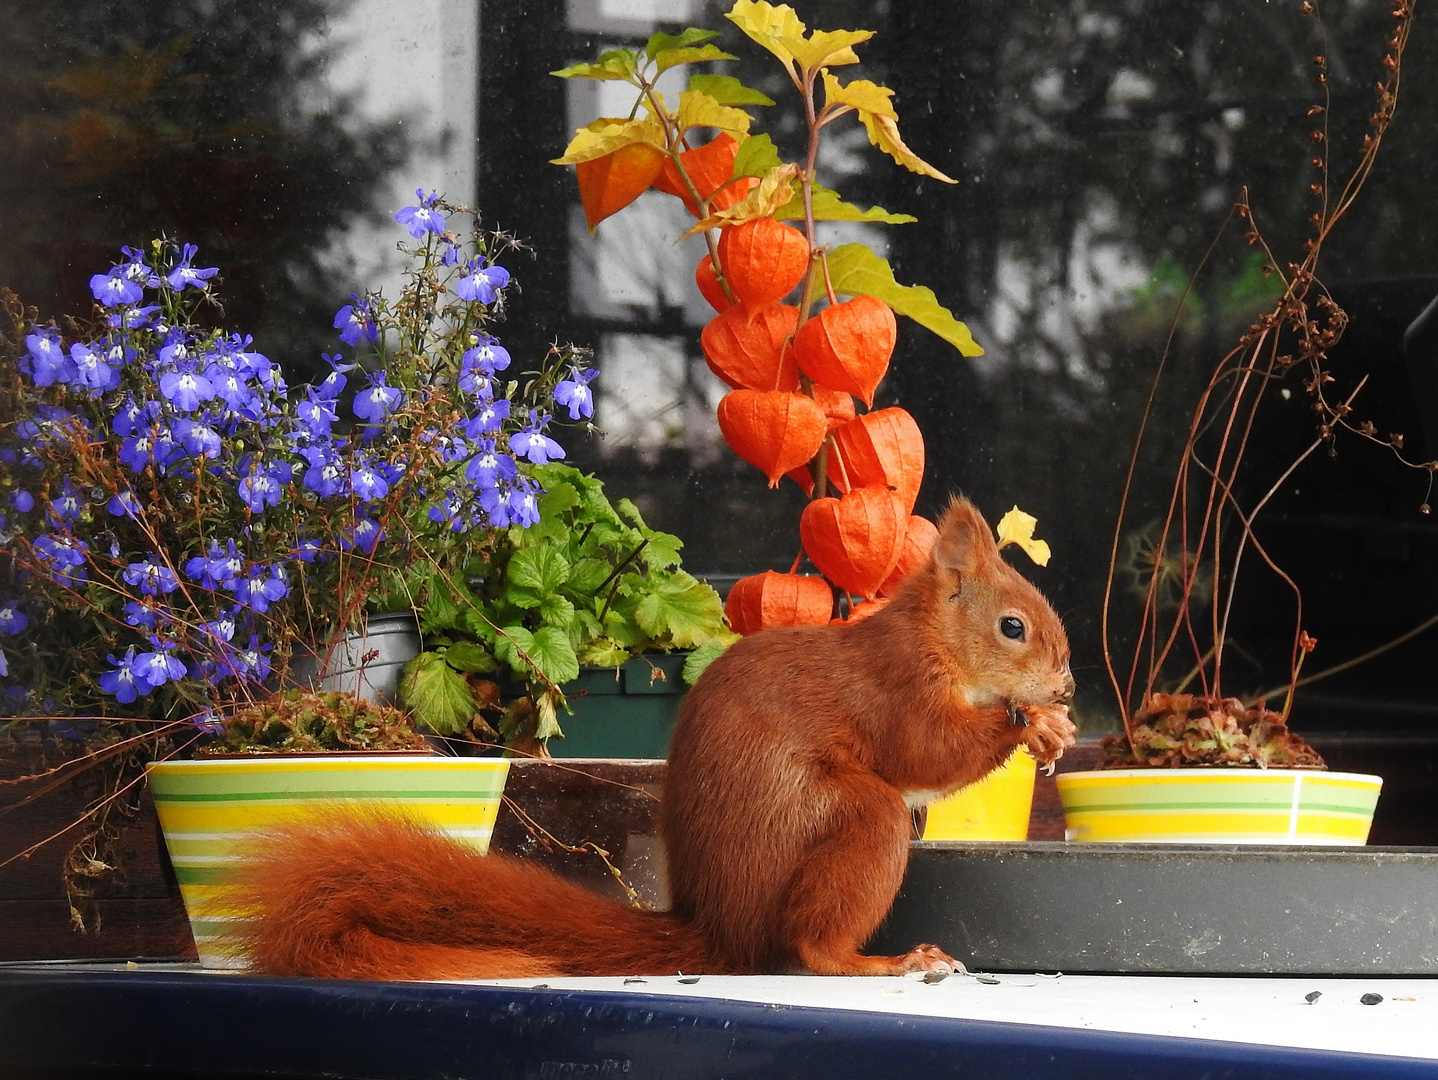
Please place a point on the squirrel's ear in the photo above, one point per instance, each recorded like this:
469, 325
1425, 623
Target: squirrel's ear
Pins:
965, 540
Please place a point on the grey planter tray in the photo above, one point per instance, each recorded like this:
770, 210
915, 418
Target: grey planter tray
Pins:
1182, 909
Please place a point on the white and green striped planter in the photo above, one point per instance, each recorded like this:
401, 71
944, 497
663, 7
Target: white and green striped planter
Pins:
210, 809
1218, 806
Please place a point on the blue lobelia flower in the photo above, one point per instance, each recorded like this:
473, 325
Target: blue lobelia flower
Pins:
365, 536
144, 612
185, 387
92, 371
422, 218
12, 619
524, 503
487, 356
261, 587
217, 570
151, 576
68, 505
378, 401
325, 475
121, 682
22, 500
368, 481
574, 393
531, 442
115, 289
481, 281
185, 276
124, 504
49, 363
208, 721
199, 440
131, 318
334, 383
247, 663
264, 484
356, 321
63, 557
489, 468
156, 667
488, 420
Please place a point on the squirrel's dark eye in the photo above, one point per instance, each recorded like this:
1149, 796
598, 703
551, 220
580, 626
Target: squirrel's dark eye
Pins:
1011, 627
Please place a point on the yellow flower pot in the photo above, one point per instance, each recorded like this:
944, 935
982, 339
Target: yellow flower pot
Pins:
210, 809
995, 808
1219, 806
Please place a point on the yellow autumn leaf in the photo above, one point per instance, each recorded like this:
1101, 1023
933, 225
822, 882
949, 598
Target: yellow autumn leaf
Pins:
777, 29
774, 191
876, 112
698, 109
606, 135
1016, 527
830, 48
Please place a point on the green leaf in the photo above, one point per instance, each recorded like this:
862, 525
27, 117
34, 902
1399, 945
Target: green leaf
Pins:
586, 576
680, 613
554, 655
438, 695
470, 656
605, 652
829, 207
728, 90
661, 42
542, 568
620, 64
619, 625
439, 611
856, 271
706, 654
556, 611
512, 645
757, 156
668, 58
662, 551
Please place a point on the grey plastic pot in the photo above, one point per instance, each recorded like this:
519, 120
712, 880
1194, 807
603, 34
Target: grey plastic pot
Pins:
392, 637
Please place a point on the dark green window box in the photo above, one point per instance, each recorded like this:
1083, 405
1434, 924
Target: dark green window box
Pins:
624, 712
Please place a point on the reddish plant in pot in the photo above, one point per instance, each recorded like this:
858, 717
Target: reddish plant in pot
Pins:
1177, 706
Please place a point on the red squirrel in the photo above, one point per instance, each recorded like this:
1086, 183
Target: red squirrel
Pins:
785, 816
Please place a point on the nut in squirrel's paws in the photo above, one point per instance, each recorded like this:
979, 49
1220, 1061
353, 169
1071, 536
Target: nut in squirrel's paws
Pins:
1048, 734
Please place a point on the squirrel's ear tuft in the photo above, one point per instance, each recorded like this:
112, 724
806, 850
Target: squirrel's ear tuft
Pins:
965, 540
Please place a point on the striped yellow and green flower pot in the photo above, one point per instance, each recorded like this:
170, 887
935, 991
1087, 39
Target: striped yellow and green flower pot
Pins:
209, 808
1219, 806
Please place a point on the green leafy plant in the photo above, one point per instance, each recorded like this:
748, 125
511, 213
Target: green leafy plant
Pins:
589, 584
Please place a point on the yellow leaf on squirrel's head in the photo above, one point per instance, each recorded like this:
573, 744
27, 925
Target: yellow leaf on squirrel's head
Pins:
1016, 527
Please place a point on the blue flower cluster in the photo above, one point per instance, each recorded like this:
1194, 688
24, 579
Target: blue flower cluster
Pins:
167, 476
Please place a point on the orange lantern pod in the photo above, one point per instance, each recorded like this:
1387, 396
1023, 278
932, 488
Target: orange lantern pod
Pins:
856, 540
836, 471
763, 259
772, 429
709, 287
838, 405
746, 347
770, 599
848, 345
709, 166
919, 543
610, 183
884, 447
860, 612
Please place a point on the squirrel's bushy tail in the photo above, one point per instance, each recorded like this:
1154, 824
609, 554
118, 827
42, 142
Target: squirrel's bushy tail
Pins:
383, 896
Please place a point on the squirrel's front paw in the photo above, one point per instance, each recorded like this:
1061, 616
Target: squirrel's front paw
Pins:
1049, 732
